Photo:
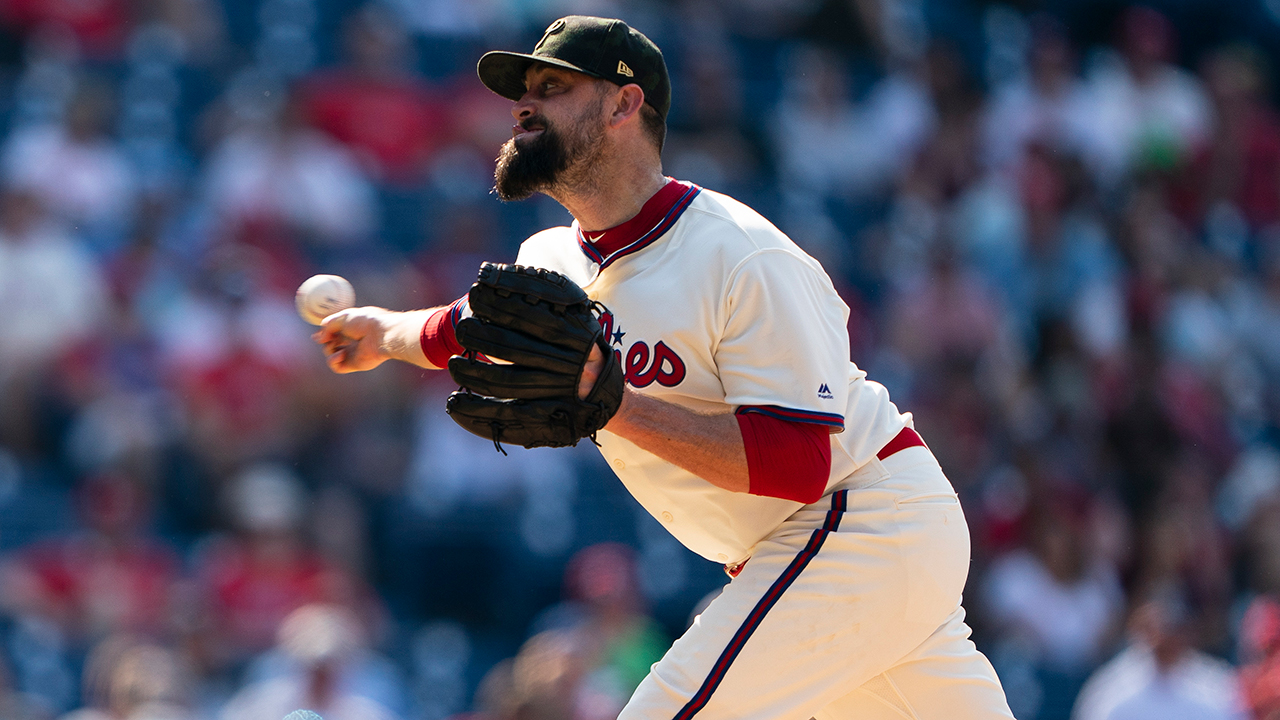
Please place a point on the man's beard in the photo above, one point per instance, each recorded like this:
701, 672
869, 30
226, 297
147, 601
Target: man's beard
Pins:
553, 160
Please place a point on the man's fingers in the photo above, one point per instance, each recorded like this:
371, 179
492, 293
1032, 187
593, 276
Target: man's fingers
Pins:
336, 343
334, 359
337, 360
590, 372
352, 339
330, 328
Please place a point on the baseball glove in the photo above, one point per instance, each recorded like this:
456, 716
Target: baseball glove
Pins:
544, 325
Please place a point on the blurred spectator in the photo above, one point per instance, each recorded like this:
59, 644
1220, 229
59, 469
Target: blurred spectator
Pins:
239, 406
112, 577
495, 696
1197, 324
56, 296
450, 469
322, 640
253, 579
363, 670
1154, 246
283, 176
710, 137
1056, 600
128, 679
1259, 645
1256, 317
98, 675
546, 680
375, 105
1161, 674
949, 159
1037, 236
1145, 111
197, 29
231, 346
587, 654
943, 313
1074, 270
1248, 487
1237, 169
99, 27
616, 641
1181, 542
1139, 437
1259, 543
1046, 106
75, 168
17, 705
828, 145
52, 286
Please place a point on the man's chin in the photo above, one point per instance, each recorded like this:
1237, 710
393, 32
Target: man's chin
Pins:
514, 178
509, 193
510, 188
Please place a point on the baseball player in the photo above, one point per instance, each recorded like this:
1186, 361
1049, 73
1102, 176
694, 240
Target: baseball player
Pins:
743, 426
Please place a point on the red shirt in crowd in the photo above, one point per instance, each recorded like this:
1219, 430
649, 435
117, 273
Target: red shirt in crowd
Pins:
396, 125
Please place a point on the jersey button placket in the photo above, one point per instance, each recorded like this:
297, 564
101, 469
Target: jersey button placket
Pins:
667, 516
618, 464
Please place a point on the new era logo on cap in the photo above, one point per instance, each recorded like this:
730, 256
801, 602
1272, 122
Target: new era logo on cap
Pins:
624, 70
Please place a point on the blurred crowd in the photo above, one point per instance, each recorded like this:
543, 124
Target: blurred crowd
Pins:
1057, 225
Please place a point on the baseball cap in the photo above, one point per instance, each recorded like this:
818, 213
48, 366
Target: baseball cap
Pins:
599, 47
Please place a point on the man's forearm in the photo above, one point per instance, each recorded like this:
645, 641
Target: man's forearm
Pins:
363, 338
402, 337
709, 446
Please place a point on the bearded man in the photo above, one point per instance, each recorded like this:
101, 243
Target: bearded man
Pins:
744, 427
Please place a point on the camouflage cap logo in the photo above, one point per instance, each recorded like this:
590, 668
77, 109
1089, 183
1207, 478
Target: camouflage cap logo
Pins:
552, 29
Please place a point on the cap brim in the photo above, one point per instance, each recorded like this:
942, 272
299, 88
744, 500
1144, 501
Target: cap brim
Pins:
503, 72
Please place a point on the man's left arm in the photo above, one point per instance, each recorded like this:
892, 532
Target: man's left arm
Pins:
785, 326
709, 446
739, 453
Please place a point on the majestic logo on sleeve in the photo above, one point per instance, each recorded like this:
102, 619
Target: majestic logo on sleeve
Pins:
824, 392
641, 365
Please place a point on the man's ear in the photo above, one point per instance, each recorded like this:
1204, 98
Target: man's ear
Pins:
626, 104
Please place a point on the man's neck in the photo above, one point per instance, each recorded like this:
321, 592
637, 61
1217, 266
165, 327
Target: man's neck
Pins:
615, 197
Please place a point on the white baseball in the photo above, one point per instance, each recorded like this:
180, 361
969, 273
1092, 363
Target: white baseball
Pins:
323, 295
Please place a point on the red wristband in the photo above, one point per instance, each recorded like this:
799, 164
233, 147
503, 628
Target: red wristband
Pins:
788, 460
439, 343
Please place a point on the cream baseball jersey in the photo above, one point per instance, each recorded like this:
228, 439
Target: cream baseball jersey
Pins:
716, 310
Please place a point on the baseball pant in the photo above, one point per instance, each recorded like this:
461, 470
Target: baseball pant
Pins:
850, 610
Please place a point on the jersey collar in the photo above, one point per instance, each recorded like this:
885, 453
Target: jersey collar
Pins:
657, 216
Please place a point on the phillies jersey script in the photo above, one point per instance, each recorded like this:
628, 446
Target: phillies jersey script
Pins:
713, 308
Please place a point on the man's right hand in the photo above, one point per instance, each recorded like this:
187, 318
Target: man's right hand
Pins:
363, 338
353, 339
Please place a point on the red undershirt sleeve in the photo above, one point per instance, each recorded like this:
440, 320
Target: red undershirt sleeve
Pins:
439, 343
788, 460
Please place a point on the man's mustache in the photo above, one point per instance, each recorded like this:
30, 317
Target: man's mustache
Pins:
534, 122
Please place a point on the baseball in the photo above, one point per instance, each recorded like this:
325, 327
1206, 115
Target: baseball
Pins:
323, 295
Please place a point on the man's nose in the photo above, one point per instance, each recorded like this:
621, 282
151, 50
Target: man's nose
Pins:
523, 108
